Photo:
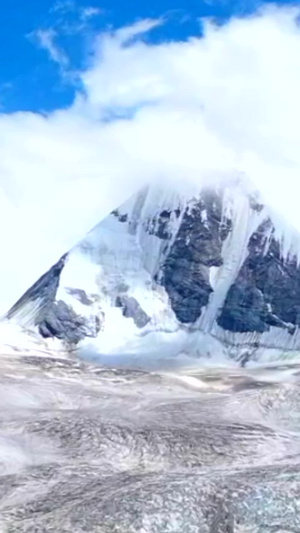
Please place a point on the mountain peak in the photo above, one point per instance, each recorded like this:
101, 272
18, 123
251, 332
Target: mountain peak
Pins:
173, 267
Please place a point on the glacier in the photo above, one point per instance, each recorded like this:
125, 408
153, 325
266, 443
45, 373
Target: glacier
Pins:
176, 271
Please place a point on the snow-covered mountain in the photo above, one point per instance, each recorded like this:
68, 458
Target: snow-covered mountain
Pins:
208, 271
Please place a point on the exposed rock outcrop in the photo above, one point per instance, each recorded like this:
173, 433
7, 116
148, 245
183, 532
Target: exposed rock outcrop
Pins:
132, 309
197, 247
62, 322
267, 289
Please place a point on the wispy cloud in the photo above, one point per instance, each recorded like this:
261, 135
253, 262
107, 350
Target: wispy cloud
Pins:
71, 18
46, 40
141, 27
83, 13
90, 12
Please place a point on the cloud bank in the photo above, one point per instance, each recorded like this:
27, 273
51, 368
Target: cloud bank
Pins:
222, 103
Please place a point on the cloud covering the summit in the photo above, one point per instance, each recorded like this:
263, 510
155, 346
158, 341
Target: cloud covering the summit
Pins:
225, 102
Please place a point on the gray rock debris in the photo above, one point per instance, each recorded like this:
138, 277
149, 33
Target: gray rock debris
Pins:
62, 322
132, 309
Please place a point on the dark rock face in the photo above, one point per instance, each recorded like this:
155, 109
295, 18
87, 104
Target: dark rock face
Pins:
120, 217
244, 310
62, 322
198, 245
267, 290
132, 309
160, 226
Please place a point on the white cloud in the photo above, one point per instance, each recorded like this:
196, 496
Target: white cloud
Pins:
90, 12
225, 103
238, 86
125, 34
46, 40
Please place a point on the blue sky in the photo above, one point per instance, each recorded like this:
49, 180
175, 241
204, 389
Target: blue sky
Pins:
31, 81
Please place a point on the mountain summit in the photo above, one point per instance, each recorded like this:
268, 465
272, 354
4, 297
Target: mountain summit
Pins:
207, 272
